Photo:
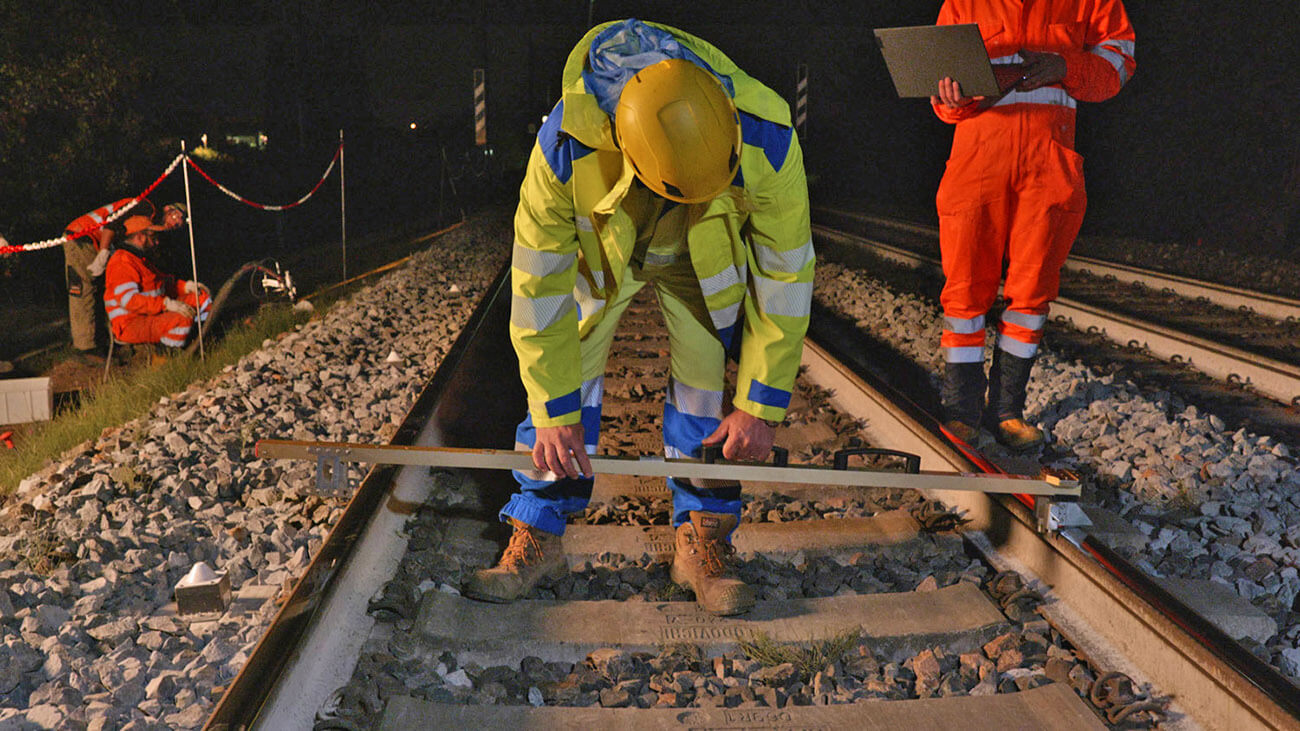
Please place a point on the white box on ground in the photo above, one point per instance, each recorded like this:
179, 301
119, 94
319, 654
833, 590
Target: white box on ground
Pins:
25, 399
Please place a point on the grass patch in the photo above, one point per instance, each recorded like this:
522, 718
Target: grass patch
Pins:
809, 658
125, 398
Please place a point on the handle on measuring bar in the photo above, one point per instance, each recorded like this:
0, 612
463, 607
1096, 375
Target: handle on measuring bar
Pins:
712, 453
913, 460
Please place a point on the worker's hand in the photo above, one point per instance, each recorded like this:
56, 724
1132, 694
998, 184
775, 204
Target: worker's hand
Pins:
743, 437
193, 287
172, 305
950, 95
1008, 75
1040, 69
556, 449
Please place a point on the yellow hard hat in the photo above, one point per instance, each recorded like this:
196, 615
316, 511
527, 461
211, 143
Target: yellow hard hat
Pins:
680, 130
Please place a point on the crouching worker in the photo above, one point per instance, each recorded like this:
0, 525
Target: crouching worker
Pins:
145, 305
662, 164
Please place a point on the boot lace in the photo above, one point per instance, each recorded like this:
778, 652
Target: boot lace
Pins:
523, 549
715, 555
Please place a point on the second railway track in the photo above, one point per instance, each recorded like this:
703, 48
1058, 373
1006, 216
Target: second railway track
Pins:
915, 615
1148, 312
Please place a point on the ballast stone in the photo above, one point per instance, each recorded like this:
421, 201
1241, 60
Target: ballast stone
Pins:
1227, 609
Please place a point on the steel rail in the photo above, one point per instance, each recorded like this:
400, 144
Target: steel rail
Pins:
1261, 303
244, 699
1244, 693
1212, 677
1269, 377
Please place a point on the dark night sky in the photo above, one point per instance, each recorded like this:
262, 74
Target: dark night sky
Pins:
1203, 143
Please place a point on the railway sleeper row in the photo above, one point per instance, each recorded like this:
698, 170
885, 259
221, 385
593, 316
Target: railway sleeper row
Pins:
865, 595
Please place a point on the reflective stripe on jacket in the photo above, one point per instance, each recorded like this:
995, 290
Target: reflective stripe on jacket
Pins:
133, 286
751, 247
1093, 36
94, 218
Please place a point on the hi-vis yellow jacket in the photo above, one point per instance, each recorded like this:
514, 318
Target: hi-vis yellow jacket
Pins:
751, 247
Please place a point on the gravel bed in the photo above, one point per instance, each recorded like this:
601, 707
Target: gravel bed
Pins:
92, 546
1217, 504
397, 660
1238, 268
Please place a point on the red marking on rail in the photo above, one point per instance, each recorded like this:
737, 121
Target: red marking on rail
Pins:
981, 462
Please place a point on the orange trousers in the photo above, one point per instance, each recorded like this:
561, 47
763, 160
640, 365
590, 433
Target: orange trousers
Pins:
1012, 192
168, 328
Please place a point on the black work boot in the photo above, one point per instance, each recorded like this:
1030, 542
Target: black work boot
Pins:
962, 396
1008, 378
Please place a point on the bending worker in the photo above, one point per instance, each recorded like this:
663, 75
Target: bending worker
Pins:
145, 305
1013, 190
663, 163
87, 245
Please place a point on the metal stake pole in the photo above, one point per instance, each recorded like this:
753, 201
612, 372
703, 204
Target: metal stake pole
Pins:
194, 265
343, 209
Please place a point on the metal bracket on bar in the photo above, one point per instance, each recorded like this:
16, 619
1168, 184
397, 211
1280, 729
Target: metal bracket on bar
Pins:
331, 474
1057, 513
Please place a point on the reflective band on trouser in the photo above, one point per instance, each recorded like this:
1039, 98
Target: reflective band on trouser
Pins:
963, 339
1045, 95
539, 313
790, 299
725, 317
690, 414
788, 262
1020, 332
1026, 320
964, 354
546, 504
964, 326
176, 336
728, 277
1017, 348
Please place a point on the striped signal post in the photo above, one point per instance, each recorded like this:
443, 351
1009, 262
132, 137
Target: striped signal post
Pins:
801, 101
480, 108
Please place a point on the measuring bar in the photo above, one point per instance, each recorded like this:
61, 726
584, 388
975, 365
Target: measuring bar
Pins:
329, 456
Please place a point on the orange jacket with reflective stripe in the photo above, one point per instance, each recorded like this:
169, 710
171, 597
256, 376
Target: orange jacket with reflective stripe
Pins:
134, 286
93, 219
1093, 36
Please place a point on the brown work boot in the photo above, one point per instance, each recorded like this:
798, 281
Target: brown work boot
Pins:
531, 556
1018, 435
702, 561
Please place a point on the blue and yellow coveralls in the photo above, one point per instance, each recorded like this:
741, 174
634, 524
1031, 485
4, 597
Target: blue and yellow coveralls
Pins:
588, 237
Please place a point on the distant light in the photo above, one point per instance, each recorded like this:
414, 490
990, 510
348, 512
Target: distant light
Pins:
544, 116
412, 125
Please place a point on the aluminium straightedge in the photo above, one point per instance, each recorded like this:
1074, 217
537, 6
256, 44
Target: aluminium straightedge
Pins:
1094, 605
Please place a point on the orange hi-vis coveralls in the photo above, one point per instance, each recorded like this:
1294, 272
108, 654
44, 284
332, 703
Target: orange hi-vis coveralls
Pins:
1013, 186
134, 290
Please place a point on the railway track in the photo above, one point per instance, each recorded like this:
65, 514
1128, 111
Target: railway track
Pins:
376, 635
1229, 334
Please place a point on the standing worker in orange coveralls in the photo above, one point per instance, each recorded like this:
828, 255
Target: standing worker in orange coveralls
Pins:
1013, 189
